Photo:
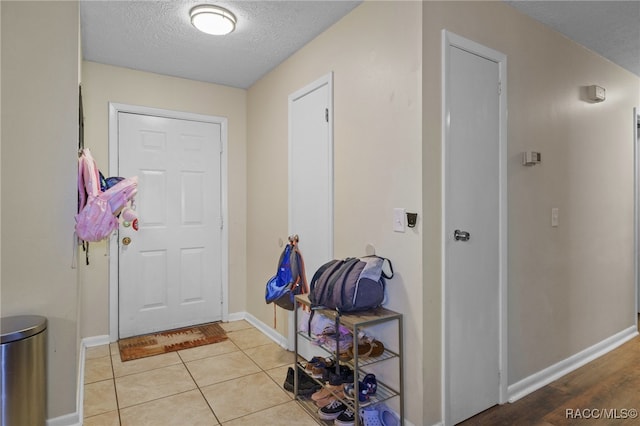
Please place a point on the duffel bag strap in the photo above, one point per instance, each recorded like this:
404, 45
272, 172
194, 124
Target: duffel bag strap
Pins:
384, 274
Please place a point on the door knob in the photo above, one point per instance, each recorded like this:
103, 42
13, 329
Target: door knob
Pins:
459, 235
126, 241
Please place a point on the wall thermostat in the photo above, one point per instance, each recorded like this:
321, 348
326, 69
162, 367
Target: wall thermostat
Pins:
596, 93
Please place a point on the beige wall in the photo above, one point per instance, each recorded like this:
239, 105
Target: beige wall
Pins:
39, 196
102, 84
375, 54
569, 287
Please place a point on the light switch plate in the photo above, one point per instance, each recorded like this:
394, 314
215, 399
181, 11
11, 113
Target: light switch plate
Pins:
398, 219
555, 214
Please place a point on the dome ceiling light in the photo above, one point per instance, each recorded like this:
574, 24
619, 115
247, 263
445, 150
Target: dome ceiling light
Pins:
213, 19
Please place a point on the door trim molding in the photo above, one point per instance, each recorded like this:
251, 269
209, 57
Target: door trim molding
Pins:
451, 39
114, 109
636, 207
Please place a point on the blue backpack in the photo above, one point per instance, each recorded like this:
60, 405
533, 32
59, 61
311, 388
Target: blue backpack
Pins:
289, 280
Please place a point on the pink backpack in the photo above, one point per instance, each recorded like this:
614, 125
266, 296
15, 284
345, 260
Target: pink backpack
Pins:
98, 211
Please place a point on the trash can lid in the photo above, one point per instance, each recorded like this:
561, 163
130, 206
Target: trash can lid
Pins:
22, 326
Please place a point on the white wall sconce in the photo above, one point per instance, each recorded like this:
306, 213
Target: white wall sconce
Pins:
596, 93
213, 20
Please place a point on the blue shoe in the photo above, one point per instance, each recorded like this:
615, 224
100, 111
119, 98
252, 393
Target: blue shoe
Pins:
363, 396
370, 383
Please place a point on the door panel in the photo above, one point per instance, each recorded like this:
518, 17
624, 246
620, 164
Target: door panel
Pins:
472, 205
170, 274
311, 181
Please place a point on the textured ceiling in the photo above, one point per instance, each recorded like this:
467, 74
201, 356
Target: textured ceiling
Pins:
157, 36
609, 28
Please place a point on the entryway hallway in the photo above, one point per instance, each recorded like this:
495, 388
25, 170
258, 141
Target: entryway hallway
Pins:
239, 382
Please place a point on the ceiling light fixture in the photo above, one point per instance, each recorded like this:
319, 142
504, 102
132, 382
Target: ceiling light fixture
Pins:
212, 19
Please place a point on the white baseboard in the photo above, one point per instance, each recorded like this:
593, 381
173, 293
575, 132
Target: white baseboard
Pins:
71, 419
76, 418
264, 328
554, 372
236, 316
89, 342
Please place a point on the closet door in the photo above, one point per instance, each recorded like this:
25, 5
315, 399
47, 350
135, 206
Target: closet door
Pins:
311, 175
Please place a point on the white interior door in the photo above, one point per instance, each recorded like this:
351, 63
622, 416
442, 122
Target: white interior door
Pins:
311, 177
472, 234
170, 273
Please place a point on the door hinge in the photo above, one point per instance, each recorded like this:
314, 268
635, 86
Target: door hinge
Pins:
326, 114
499, 88
220, 146
221, 222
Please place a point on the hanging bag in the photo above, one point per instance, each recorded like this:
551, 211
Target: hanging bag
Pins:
98, 210
290, 279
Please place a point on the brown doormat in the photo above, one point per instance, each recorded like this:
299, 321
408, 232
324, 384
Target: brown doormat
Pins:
170, 341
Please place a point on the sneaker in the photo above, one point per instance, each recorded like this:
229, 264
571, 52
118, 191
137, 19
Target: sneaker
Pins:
352, 393
306, 385
312, 363
345, 375
332, 410
327, 391
321, 403
370, 417
347, 418
322, 368
370, 384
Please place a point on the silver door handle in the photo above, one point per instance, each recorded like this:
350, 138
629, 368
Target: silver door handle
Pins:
459, 235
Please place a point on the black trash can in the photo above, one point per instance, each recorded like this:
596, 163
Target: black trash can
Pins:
24, 371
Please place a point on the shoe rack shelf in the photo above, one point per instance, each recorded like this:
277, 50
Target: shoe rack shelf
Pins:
355, 322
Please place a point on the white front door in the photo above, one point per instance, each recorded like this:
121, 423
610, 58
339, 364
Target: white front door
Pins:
170, 273
472, 234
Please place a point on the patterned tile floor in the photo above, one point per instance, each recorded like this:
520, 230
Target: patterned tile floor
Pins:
236, 382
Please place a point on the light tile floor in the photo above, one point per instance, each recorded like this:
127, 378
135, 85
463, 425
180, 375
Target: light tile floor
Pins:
237, 382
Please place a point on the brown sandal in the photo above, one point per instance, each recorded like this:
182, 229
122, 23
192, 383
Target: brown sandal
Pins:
364, 349
377, 348
345, 356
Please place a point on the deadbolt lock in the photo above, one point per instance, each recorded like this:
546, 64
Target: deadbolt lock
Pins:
126, 241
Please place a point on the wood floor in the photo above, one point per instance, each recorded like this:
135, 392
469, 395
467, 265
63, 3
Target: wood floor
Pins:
611, 383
